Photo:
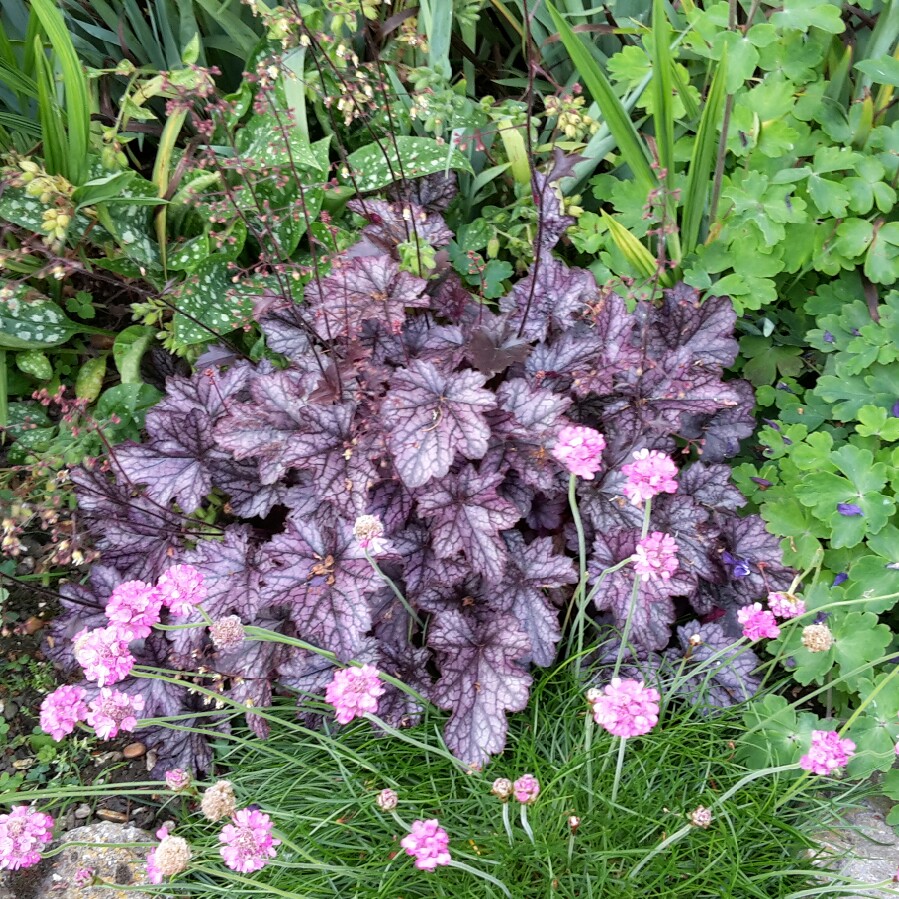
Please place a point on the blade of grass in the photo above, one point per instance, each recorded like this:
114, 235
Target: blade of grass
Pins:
160, 177
632, 150
53, 132
4, 396
696, 191
78, 106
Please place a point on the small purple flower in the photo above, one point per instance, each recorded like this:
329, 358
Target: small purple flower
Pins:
855, 332
764, 483
849, 509
828, 337
895, 410
738, 567
839, 579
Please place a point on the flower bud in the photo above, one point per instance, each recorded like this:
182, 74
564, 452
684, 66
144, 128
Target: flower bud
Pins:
502, 788
701, 817
387, 800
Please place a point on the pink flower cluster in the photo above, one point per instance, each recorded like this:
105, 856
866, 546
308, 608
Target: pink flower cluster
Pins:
354, 691
113, 711
650, 474
181, 588
24, 832
61, 710
580, 450
247, 842
758, 623
103, 654
133, 609
656, 556
827, 752
786, 605
626, 708
428, 844
526, 789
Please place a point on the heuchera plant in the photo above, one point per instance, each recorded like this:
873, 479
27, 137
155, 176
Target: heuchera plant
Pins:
408, 399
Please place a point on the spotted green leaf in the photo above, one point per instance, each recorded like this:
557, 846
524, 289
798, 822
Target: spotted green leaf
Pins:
375, 166
29, 321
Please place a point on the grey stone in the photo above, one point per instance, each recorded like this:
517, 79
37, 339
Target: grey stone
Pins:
54, 877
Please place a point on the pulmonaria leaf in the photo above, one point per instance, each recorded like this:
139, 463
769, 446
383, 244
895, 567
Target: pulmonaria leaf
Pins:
533, 568
174, 463
752, 558
268, 427
433, 193
552, 296
653, 611
321, 576
135, 534
390, 224
466, 515
361, 289
431, 416
728, 681
480, 680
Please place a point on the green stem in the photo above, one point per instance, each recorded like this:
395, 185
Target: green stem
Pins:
619, 766
396, 590
580, 590
628, 623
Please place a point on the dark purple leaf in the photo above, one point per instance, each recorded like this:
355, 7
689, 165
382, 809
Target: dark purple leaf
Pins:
450, 298
177, 748
431, 416
239, 481
719, 434
424, 339
466, 516
747, 541
390, 224
433, 193
695, 531
480, 680
423, 568
710, 486
287, 333
494, 344
210, 389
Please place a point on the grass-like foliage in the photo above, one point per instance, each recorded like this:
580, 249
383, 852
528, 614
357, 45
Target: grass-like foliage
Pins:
321, 792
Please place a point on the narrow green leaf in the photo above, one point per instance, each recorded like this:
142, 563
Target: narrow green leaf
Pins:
663, 117
616, 117
439, 26
242, 35
881, 43
53, 132
631, 248
696, 192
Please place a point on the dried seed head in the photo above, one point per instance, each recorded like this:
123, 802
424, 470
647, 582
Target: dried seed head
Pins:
227, 633
218, 801
502, 788
172, 856
574, 823
387, 800
700, 817
817, 638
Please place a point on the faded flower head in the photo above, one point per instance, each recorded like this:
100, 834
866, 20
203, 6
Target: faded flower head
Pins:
227, 633
170, 857
827, 753
786, 605
369, 533
701, 817
61, 710
103, 655
817, 637
177, 779
218, 801
526, 789
113, 711
758, 623
580, 450
656, 556
354, 691
627, 708
133, 609
181, 587
502, 788
247, 843
83, 877
24, 832
574, 823
387, 800
650, 474
428, 844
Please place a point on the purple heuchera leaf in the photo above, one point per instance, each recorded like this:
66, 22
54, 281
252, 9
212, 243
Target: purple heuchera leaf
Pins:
480, 680
431, 416
757, 558
466, 515
433, 193
390, 224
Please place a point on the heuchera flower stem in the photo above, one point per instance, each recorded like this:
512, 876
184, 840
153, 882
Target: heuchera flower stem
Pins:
626, 633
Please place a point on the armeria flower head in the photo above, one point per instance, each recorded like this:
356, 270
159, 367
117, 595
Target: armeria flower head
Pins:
169, 858
827, 752
103, 655
218, 801
526, 789
656, 556
24, 833
627, 708
133, 609
428, 844
701, 817
369, 533
354, 691
113, 711
786, 605
580, 450
62, 709
177, 779
817, 637
758, 623
502, 788
181, 588
650, 474
227, 633
247, 842
387, 800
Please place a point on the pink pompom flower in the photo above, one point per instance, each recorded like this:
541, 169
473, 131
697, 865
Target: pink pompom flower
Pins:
354, 691
369, 533
24, 833
113, 711
61, 710
526, 789
650, 474
181, 588
758, 623
103, 655
656, 556
580, 450
827, 752
626, 708
177, 779
247, 842
428, 844
786, 605
133, 609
